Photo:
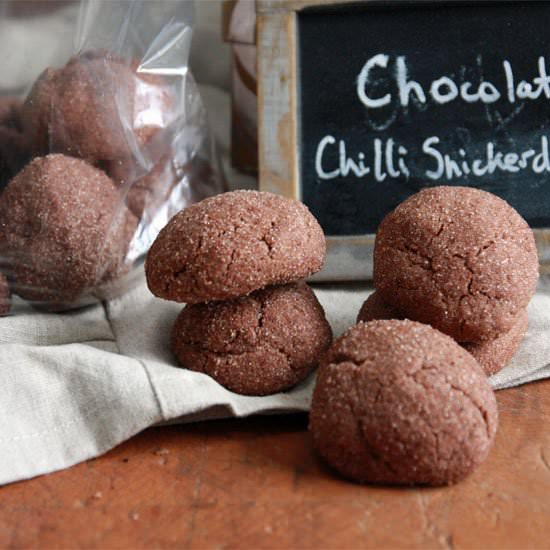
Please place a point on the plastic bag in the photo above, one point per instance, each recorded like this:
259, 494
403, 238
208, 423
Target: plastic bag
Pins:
103, 138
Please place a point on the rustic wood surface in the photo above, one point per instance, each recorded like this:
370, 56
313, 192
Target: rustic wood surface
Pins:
257, 483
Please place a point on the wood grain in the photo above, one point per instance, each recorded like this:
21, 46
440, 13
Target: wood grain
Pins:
277, 105
257, 483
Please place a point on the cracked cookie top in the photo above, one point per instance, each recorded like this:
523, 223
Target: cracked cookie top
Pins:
63, 229
399, 402
459, 259
232, 244
258, 344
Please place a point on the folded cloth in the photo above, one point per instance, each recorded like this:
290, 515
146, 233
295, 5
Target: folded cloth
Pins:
74, 385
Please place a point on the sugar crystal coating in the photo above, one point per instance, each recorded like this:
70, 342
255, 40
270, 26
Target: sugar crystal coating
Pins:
63, 229
459, 259
232, 244
145, 192
398, 402
96, 107
375, 308
493, 355
259, 344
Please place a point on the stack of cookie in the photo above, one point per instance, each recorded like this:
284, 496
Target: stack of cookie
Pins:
238, 260
461, 260
396, 400
65, 227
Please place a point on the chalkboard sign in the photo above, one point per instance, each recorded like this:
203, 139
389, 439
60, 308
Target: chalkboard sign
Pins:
364, 104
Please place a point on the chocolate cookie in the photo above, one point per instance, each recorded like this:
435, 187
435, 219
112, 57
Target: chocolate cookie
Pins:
374, 308
232, 244
145, 193
260, 344
398, 402
64, 229
459, 259
96, 107
492, 355
5, 296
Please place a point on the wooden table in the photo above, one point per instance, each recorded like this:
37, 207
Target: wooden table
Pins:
257, 483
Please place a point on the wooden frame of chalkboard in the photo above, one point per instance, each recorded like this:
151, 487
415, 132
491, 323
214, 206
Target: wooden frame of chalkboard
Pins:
281, 137
348, 257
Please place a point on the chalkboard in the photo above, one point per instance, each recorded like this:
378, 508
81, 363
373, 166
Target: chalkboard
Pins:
393, 98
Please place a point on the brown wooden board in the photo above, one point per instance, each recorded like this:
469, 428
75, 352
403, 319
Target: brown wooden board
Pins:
257, 483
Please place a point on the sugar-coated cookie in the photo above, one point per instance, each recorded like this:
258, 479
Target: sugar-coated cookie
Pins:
145, 192
96, 107
459, 259
232, 244
398, 402
260, 344
63, 228
493, 355
375, 308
